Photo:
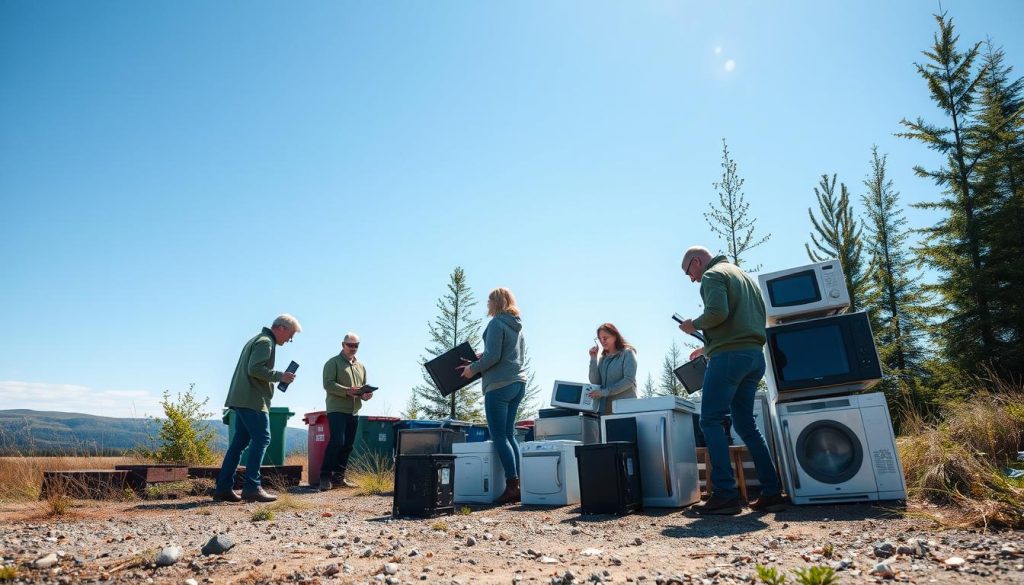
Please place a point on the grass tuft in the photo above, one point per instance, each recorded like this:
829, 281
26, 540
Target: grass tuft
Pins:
440, 526
816, 576
262, 515
770, 575
373, 473
8, 573
464, 511
286, 502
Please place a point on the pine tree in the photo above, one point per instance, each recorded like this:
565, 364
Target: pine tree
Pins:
649, 390
452, 326
899, 308
839, 237
956, 245
670, 385
730, 219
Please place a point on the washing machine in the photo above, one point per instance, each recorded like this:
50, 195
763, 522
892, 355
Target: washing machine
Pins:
479, 476
548, 473
839, 449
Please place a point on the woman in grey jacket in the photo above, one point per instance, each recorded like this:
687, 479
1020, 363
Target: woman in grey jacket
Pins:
504, 382
615, 370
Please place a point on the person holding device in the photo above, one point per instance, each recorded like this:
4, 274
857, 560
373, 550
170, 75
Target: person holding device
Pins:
733, 323
615, 370
252, 388
345, 384
504, 382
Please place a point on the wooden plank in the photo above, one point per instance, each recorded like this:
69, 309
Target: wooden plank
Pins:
85, 483
140, 475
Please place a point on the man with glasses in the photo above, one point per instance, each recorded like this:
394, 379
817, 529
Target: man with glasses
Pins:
344, 380
733, 323
252, 388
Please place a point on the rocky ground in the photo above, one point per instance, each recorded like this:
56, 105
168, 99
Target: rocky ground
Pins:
337, 537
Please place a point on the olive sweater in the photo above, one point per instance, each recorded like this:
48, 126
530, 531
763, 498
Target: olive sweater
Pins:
341, 375
734, 315
252, 385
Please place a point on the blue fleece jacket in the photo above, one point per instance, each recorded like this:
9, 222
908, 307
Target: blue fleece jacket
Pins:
504, 349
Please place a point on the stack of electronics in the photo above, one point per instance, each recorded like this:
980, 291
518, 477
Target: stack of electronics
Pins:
835, 445
425, 471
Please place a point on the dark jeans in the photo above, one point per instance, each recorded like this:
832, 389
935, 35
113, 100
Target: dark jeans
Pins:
252, 429
500, 407
339, 447
730, 385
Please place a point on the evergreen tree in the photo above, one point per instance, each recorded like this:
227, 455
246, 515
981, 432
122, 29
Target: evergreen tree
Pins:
183, 437
899, 308
670, 385
453, 325
839, 237
649, 390
956, 245
730, 219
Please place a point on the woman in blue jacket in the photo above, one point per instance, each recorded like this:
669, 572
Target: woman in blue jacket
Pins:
615, 370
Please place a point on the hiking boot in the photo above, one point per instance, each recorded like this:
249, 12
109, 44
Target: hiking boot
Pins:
346, 483
325, 484
773, 503
719, 506
258, 495
511, 493
226, 496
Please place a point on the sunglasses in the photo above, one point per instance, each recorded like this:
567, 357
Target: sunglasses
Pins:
689, 264
352, 345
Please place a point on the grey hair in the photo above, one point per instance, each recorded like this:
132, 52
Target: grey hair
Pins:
349, 336
694, 251
287, 321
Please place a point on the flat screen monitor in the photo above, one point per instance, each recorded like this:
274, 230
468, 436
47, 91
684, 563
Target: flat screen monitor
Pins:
442, 369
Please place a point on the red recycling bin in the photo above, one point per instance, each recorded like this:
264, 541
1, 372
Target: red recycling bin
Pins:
319, 434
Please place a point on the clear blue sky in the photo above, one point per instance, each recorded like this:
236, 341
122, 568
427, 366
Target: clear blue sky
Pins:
175, 174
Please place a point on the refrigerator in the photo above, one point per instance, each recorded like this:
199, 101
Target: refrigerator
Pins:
665, 441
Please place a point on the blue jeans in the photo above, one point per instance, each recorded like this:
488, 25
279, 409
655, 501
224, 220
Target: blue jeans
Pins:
730, 384
500, 407
252, 429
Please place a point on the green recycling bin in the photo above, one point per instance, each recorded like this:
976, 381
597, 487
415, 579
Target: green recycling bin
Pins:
277, 450
375, 441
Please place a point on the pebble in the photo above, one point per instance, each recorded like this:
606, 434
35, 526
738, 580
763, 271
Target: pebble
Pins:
883, 570
883, 550
391, 568
191, 581
955, 562
218, 545
470, 541
45, 562
591, 552
168, 556
367, 553
332, 570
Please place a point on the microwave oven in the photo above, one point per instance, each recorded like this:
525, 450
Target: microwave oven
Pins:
575, 396
823, 357
814, 290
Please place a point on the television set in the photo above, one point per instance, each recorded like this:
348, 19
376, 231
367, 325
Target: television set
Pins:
813, 290
825, 356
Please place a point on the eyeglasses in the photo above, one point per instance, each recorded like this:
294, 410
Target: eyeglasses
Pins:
352, 345
689, 264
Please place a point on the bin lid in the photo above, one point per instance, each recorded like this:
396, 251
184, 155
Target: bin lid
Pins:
281, 410
381, 418
310, 418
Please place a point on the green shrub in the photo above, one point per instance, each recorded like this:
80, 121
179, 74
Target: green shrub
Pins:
770, 575
184, 437
816, 576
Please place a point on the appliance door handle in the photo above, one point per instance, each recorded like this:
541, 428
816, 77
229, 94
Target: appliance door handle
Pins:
558, 473
792, 454
665, 467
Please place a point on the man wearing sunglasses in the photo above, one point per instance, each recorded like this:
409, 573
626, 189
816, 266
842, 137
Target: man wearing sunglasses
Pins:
733, 323
344, 379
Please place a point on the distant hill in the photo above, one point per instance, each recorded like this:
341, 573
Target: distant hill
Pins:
33, 432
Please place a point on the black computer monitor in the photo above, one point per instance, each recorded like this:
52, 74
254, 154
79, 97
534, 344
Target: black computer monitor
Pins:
442, 369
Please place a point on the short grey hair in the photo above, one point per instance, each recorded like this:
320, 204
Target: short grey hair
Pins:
350, 336
694, 251
287, 321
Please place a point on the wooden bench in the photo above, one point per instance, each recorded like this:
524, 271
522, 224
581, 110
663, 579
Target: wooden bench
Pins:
736, 453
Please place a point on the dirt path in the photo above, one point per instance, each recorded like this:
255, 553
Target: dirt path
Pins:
340, 538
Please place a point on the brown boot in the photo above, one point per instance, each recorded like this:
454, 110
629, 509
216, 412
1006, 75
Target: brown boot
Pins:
511, 493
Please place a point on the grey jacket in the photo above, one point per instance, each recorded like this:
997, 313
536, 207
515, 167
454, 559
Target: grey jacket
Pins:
504, 351
617, 376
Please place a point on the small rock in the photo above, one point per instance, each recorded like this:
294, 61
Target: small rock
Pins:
392, 581
367, 553
712, 571
954, 562
1008, 551
616, 561
548, 560
218, 545
638, 541
391, 569
883, 570
45, 562
591, 552
168, 556
568, 577
191, 581
883, 550
470, 541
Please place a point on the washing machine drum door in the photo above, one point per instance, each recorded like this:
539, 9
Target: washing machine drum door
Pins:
829, 452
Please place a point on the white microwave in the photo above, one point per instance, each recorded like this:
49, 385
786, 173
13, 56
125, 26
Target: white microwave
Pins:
814, 290
575, 396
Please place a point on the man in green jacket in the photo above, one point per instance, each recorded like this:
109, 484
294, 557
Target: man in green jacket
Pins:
733, 322
344, 379
252, 387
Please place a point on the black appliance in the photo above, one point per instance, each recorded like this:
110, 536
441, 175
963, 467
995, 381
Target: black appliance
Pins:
691, 374
610, 477
442, 369
424, 485
427, 441
559, 412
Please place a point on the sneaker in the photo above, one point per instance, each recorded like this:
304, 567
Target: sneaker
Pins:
719, 506
349, 484
773, 503
325, 484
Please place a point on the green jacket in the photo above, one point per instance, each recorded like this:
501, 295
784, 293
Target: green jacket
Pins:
252, 386
734, 314
340, 375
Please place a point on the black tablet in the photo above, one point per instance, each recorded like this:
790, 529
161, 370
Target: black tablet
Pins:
691, 374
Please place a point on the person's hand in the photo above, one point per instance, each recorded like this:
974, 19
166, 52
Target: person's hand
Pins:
287, 377
687, 326
479, 354
593, 351
464, 371
367, 396
594, 394
696, 353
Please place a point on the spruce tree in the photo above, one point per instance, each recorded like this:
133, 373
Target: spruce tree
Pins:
649, 390
839, 237
899, 308
956, 246
731, 218
670, 385
453, 325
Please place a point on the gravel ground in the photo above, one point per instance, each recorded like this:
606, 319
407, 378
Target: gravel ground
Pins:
337, 537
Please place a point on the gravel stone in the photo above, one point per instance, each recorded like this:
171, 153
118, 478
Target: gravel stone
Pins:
168, 556
218, 545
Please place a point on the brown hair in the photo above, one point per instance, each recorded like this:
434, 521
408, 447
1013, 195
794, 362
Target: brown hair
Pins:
620, 343
503, 302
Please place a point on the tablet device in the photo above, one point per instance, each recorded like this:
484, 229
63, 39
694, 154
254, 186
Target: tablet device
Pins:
442, 369
292, 367
691, 374
366, 389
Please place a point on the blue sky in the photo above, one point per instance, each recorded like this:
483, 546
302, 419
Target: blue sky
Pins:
175, 174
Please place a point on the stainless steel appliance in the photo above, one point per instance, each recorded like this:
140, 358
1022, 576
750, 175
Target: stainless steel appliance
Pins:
582, 427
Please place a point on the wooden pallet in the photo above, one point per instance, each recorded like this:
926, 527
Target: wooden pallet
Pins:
139, 476
85, 483
276, 476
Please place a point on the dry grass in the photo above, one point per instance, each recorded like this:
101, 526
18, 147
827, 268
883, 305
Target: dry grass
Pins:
297, 459
373, 473
957, 464
21, 478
